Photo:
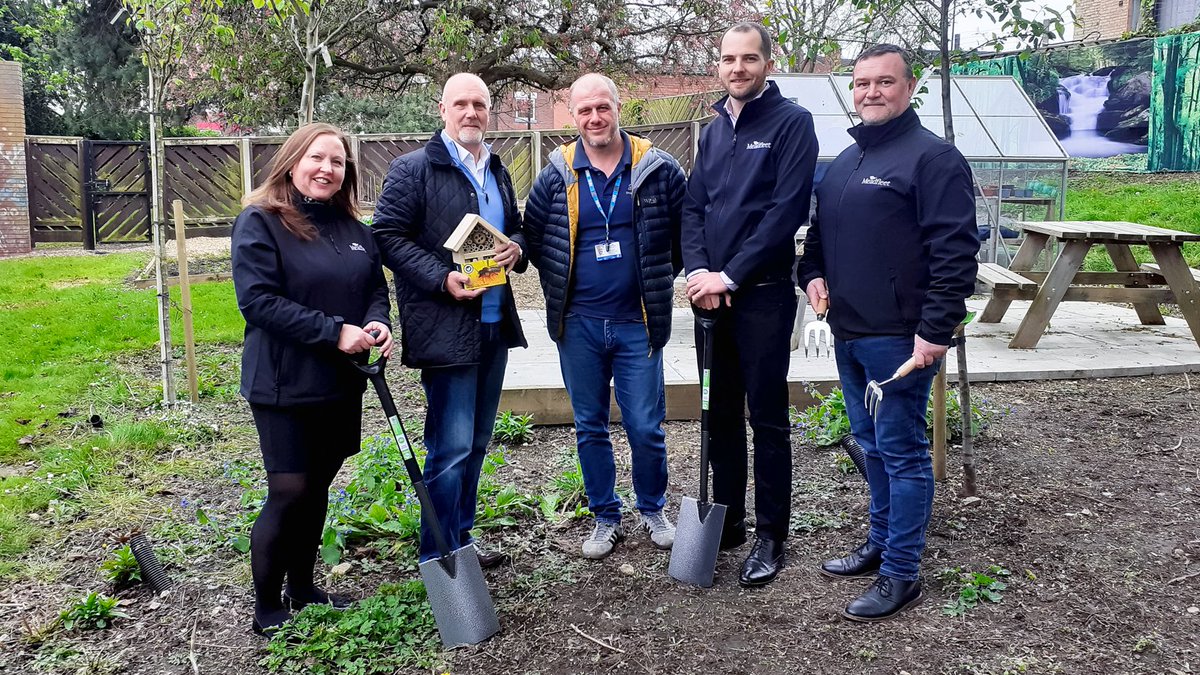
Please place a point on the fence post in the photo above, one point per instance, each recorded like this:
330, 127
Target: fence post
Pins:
695, 142
247, 165
535, 155
85, 201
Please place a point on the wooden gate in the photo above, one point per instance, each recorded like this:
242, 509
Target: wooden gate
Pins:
116, 192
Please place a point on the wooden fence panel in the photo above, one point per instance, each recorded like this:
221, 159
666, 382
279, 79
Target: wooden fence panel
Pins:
675, 139
517, 154
262, 151
208, 179
375, 154
55, 193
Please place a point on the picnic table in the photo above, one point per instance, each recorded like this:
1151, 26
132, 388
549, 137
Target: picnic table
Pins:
1170, 281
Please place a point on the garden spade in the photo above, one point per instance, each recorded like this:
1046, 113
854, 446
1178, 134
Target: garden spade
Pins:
698, 531
454, 581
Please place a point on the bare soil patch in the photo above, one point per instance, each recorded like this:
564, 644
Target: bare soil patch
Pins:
1089, 497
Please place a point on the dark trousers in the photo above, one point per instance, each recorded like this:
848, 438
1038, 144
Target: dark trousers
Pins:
750, 364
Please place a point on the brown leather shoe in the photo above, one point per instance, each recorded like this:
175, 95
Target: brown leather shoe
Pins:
490, 559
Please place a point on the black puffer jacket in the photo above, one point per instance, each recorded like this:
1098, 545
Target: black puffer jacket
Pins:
552, 220
424, 197
296, 295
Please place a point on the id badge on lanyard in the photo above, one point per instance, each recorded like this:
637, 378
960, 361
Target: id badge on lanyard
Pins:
607, 249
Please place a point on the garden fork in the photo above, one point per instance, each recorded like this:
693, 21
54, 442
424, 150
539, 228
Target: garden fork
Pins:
873, 396
816, 332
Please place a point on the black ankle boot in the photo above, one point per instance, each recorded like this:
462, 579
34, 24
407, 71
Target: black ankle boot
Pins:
315, 596
763, 564
268, 622
861, 562
886, 598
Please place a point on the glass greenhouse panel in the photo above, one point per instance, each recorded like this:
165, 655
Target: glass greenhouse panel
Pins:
814, 93
969, 135
931, 101
831, 134
1022, 136
996, 96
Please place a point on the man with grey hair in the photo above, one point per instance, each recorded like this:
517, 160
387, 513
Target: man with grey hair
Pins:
602, 226
458, 337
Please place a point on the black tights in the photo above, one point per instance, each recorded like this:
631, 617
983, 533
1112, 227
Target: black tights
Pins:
287, 535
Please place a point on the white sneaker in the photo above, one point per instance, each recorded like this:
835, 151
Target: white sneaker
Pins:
603, 540
662, 532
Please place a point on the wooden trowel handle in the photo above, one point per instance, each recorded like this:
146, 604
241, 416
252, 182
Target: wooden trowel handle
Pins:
822, 307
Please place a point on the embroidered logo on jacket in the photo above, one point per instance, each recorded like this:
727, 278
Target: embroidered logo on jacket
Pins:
758, 145
355, 246
877, 181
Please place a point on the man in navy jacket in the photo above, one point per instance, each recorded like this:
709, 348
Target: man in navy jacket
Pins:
602, 223
893, 249
458, 337
747, 197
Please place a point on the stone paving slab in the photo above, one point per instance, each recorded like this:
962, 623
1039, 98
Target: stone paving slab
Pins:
1085, 340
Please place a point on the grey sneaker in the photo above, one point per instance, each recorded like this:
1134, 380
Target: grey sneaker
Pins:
662, 532
603, 540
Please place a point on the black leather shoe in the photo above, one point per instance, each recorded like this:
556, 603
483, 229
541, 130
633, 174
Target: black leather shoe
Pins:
764, 563
886, 598
733, 536
861, 562
490, 559
316, 597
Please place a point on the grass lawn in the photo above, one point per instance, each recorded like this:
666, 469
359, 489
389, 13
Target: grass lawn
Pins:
64, 324
1162, 200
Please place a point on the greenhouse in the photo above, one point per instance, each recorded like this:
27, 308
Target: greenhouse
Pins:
1020, 167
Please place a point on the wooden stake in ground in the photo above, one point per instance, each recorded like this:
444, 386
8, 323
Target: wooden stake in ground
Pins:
964, 405
939, 423
185, 298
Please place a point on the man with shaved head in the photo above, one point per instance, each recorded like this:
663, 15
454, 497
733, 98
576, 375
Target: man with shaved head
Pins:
602, 223
458, 338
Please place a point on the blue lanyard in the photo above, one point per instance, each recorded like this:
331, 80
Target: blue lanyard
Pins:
471, 175
612, 203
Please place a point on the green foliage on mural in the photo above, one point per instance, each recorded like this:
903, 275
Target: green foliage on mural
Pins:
1175, 104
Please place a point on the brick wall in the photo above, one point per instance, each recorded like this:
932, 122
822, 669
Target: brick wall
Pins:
1104, 19
14, 189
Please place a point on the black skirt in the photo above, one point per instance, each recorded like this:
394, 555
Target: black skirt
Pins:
307, 438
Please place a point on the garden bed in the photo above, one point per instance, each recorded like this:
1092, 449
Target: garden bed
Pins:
1093, 525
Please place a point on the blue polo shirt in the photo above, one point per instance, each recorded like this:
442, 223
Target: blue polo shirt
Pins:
605, 289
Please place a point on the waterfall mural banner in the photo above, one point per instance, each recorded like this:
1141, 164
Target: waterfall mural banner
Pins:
1096, 99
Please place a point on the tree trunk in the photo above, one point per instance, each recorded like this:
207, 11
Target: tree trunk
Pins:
964, 406
158, 235
944, 70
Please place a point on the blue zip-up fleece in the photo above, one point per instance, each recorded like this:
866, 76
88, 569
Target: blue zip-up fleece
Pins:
551, 225
750, 191
894, 235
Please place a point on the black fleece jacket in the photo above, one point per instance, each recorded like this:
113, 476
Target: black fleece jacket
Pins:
894, 235
750, 191
295, 296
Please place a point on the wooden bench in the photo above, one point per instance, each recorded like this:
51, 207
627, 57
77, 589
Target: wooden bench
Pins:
1154, 269
1005, 286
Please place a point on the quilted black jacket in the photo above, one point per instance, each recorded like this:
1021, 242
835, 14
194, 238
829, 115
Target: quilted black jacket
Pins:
551, 223
424, 196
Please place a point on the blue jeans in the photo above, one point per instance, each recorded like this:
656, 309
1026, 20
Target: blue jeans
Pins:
592, 352
899, 469
459, 420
